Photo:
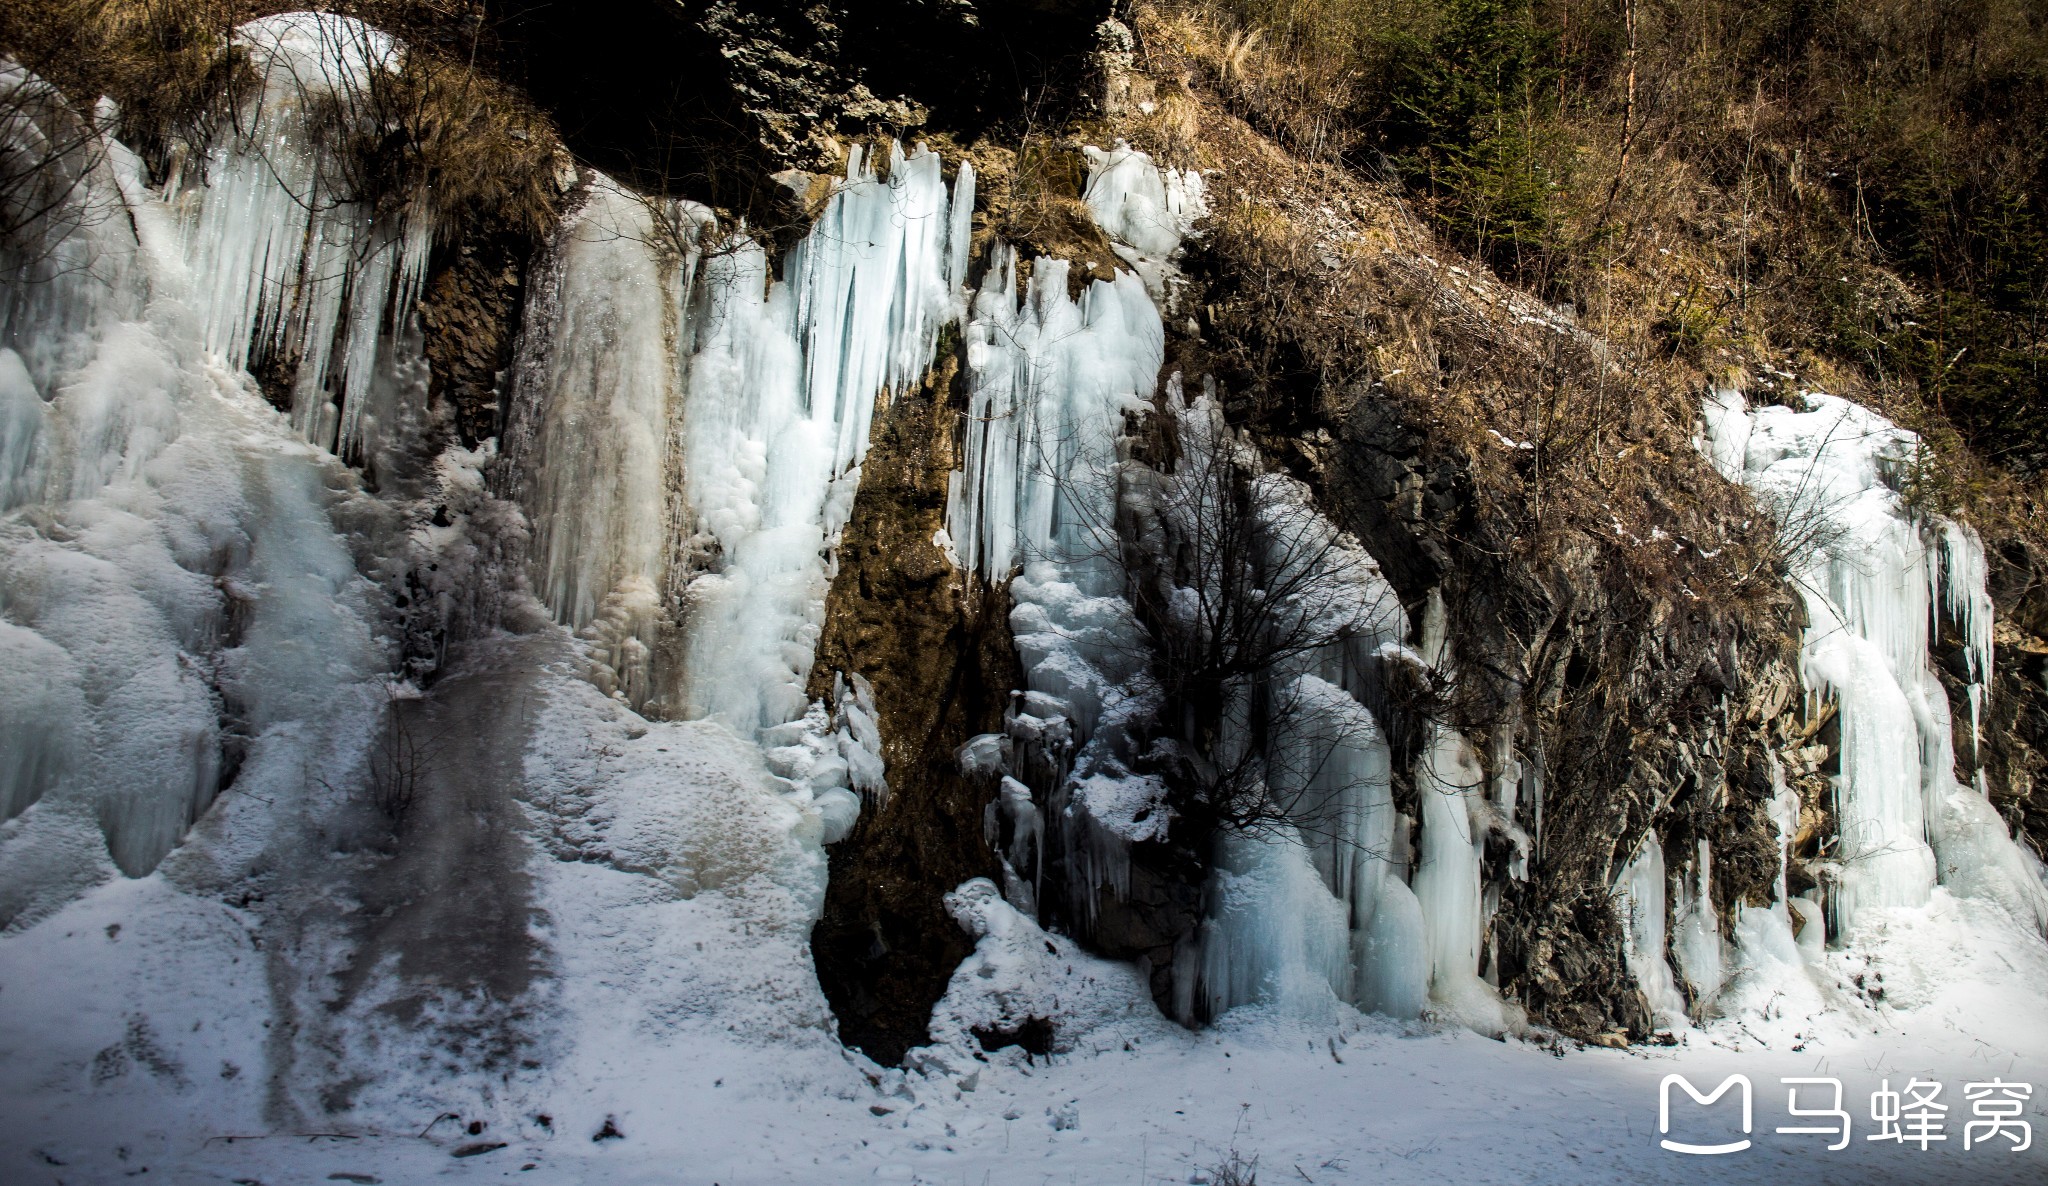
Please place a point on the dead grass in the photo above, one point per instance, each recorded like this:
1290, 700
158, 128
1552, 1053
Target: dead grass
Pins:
1689, 232
1332, 292
167, 63
437, 129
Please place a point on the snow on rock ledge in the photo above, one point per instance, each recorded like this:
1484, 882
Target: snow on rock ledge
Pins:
1023, 981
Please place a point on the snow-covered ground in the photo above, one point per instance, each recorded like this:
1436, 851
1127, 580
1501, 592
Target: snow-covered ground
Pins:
667, 993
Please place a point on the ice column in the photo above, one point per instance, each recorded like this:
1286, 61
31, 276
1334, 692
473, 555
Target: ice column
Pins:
1696, 941
1451, 785
1639, 894
1051, 378
1318, 911
1049, 381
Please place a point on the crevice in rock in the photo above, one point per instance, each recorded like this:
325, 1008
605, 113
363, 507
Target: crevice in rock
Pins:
936, 648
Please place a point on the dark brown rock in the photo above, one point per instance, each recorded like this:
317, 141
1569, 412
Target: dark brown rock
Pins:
937, 651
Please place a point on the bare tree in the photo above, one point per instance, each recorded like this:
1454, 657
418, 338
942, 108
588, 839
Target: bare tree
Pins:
1255, 610
48, 154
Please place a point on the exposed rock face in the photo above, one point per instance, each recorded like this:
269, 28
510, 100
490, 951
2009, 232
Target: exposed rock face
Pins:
2014, 730
1627, 716
708, 99
1585, 666
470, 311
937, 651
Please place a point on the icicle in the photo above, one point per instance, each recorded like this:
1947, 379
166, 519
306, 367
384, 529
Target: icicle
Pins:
871, 289
960, 238
1960, 586
294, 263
1147, 211
1049, 380
782, 391
1639, 898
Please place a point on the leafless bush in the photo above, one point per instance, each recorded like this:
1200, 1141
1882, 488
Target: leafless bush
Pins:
1247, 596
400, 763
1235, 1170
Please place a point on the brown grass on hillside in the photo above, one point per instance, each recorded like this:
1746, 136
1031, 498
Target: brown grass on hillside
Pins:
1331, 291
1688, 227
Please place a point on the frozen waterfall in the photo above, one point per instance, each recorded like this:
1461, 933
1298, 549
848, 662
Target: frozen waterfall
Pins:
1874, 575
177, 611
686, 435
1305, 916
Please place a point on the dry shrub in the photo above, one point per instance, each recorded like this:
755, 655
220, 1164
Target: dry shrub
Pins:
469, 146
167, 63
1031, 197
436, 127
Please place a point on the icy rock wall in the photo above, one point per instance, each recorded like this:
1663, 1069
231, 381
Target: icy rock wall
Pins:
176, 608
1304, 917
688, 433
1874, 574
1050, 381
